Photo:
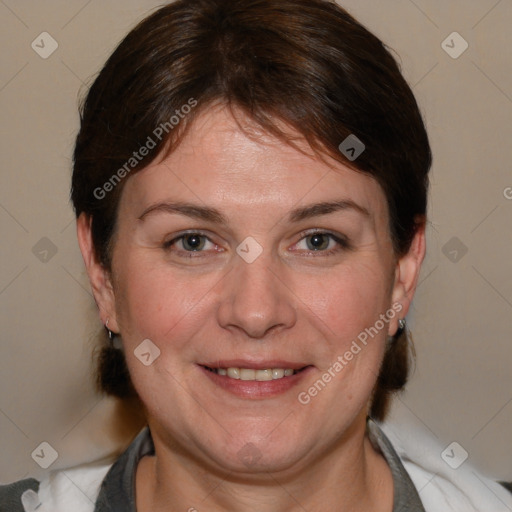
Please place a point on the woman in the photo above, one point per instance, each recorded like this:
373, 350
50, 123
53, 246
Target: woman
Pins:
250, 184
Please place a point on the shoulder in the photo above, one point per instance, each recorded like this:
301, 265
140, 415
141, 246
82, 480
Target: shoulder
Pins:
443, 477
61, 491
84, 488
14, 495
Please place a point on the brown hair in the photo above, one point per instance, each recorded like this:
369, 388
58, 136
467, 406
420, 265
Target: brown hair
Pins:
305, 62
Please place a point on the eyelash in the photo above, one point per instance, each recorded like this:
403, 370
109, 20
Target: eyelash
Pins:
342, 242
189, 254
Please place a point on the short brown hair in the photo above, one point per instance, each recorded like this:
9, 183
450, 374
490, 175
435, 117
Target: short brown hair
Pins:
305, 62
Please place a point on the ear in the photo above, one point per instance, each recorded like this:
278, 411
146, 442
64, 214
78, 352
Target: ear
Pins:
99, 277
406, 275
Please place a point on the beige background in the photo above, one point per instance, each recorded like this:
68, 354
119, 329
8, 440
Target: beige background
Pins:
462, 387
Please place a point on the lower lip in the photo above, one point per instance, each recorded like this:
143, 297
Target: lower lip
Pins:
257, 388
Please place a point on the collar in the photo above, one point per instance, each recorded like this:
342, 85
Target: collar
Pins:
406, 497
117, 492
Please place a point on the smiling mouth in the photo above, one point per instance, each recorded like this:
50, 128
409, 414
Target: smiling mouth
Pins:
252, 374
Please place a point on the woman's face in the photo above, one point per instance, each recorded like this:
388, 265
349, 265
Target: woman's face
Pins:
246, 253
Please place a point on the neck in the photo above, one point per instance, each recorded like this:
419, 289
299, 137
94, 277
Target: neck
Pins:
350, 475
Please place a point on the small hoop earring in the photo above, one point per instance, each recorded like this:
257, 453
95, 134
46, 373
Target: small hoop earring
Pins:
400, 330
114, 343
109, 332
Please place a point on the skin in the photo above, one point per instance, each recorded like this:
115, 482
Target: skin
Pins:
291, 303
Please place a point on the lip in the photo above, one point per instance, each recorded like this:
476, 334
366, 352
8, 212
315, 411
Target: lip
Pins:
254, 364
253, 389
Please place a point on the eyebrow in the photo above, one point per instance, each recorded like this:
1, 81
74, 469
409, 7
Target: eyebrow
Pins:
215, 216
325, 208
189, 210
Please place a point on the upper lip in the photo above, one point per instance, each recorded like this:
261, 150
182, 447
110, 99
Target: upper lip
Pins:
256, 365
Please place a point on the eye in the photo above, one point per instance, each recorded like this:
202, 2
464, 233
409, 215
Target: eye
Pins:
318, 242
322, 242
190, 242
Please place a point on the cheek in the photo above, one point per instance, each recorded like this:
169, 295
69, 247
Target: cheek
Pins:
157, 303
153, 300
349, 300
346, 307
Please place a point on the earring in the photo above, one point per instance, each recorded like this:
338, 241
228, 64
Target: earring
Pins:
109, 332
112, 337
400, 330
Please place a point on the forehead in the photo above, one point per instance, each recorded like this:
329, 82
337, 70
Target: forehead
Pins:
223, 164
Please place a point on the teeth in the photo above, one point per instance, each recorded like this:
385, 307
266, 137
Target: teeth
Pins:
263, 374
234, 373
277, 373
251, 374
246, 374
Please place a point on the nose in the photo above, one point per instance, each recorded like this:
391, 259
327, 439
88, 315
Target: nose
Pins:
255, 299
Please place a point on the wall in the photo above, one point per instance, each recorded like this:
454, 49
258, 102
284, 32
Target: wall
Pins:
461, 320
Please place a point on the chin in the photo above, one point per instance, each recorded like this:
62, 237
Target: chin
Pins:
253, 459
256, 452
